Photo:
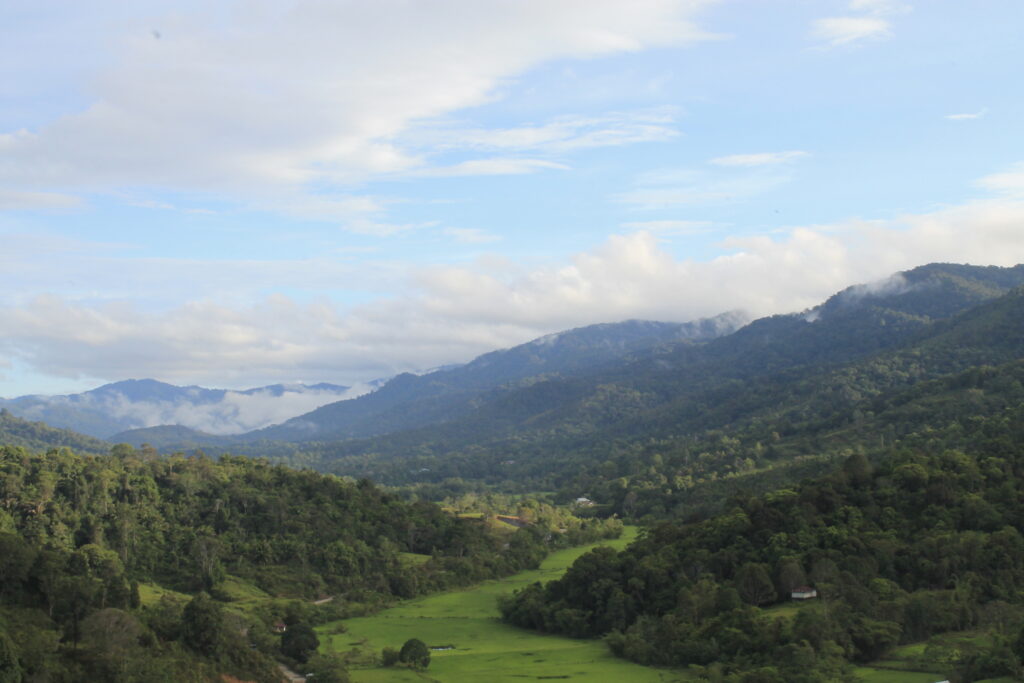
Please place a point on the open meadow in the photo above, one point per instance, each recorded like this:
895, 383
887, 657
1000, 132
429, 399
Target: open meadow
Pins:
484, 648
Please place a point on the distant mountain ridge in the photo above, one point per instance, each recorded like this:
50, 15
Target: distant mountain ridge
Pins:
779, 365
135, 403
409, 401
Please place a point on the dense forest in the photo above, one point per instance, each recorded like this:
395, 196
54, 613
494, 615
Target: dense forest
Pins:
782, 393
922, 539
80, 534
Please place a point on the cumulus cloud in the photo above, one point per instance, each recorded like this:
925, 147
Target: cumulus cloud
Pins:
261, 101
451, 314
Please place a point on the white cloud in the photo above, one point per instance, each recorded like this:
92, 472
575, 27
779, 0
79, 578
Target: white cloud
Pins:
13, 200
686, 187
562, 134
233, 413
451, 314
760, 159
499, 166
968, 117
879, 7
470, 235
838, 31
365, 226
1010, 182
670, 227
251, 100
872, 23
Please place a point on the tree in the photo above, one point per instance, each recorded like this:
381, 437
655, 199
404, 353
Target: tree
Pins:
415, 653
754, 584
10, 668
299, 641
389, 656
202, 626
327, 669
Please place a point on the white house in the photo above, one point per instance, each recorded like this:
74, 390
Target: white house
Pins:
803, 593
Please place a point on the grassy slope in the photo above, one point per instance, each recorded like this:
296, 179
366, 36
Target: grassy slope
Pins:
485, 648
911, 663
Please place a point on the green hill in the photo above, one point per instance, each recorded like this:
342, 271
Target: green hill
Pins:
15, 431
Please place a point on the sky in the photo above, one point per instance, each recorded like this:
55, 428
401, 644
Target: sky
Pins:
239, 193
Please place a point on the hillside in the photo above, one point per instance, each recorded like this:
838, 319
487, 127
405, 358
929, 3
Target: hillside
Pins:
921, 539
410, 401
15, 431
775, 370
130, 567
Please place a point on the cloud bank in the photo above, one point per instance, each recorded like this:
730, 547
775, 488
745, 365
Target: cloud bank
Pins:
453, 313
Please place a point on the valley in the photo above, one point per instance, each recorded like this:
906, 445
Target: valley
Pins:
483, 647
869, 447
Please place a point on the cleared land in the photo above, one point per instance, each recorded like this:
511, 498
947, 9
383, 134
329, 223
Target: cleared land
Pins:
485, 649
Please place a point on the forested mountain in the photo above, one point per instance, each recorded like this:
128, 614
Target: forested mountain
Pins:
774, 372
408, 401
603, 383
131, 404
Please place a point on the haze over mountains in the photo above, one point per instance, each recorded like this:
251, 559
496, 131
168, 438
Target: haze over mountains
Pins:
132, 404
408, 401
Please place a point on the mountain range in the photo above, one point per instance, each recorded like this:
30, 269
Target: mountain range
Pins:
136, 403
594, 392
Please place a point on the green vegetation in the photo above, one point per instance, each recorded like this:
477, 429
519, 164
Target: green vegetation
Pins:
114, 566
924, 541
15, 431
483, 647
871, 449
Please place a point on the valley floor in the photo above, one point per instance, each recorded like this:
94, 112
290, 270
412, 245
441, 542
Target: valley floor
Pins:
483, 647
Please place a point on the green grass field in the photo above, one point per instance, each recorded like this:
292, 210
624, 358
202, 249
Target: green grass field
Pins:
917, 663
485, 649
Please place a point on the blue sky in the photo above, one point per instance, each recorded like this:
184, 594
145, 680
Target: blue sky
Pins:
338, 191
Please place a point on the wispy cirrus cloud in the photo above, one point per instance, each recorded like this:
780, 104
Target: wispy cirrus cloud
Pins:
838, 31
670, 227
968, 116
13, 200
493, 166
560, 135
693, 187
471, 235
760, 159
872, 22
